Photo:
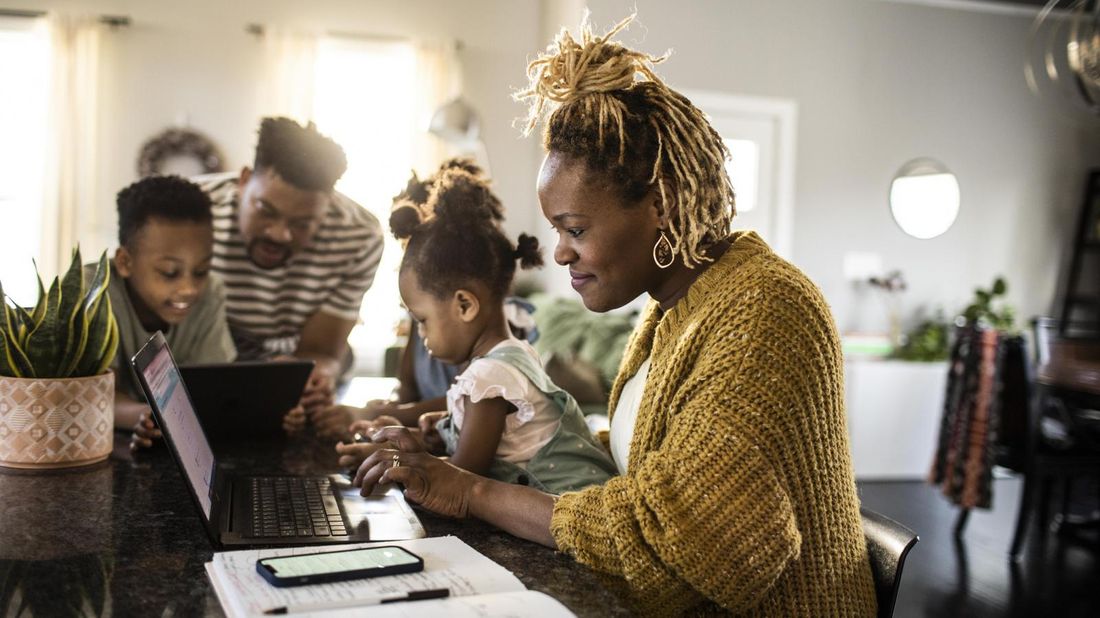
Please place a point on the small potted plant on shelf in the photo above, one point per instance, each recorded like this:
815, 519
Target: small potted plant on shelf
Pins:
56, 392
930, 339
989, 309
892, 284
928, 342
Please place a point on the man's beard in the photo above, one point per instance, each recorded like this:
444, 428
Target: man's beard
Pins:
254, 245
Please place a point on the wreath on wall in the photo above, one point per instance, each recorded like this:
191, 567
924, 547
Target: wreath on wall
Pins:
173, 143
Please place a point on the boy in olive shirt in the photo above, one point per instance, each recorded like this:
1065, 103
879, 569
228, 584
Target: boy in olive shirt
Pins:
161, 280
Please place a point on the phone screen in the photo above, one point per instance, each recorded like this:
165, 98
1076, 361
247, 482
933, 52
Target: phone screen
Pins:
339, 561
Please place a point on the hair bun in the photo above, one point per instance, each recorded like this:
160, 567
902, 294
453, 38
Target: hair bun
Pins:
571, 69
415, 191
465, 164
528, 252
459, 198
404, 220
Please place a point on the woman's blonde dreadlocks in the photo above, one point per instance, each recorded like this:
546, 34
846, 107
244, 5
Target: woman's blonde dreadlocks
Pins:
614, 112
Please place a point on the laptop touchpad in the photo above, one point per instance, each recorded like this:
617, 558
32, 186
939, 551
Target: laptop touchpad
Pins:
385, 513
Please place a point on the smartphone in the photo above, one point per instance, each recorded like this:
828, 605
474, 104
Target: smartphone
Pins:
337, 566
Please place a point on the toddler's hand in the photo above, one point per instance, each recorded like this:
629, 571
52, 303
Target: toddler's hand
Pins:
368, 428
429, 434
376, 408
351, 455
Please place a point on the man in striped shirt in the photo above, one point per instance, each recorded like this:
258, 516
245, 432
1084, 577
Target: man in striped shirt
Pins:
295, 255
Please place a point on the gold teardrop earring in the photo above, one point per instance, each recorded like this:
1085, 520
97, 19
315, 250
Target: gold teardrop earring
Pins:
663, 255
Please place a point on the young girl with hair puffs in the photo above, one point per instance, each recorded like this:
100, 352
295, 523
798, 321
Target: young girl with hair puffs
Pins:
505, 419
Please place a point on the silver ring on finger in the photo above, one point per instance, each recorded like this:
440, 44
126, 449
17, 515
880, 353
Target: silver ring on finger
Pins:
396, 461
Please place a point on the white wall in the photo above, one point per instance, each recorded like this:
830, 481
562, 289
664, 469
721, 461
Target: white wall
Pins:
878, 83
555, 15
194, 59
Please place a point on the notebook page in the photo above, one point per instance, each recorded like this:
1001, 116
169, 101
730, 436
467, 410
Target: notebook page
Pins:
448, 563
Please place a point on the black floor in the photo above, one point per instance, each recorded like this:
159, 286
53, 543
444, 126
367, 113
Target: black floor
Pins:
1057, 576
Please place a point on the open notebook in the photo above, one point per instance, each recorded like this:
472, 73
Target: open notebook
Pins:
479, 587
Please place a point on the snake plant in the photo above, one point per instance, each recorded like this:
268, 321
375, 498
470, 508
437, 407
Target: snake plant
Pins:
70, 333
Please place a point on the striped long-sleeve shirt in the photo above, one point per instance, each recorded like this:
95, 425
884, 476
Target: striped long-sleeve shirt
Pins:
266, 309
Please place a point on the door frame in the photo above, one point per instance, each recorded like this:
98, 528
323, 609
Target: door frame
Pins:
783, 113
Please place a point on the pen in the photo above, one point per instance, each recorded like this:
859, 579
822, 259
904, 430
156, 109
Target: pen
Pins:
415, 595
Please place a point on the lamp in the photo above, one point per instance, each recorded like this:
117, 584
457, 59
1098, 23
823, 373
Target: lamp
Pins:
1063, 53
456, 122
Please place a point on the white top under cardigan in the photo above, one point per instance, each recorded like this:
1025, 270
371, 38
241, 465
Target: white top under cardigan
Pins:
626, 412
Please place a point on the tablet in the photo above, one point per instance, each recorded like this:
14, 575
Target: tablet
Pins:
245, 400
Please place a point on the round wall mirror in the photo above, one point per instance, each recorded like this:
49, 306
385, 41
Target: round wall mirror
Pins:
924, 198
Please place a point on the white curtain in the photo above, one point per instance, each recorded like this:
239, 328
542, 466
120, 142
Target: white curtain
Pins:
375, 96
71, 210
24, 68
286, 88
438, 79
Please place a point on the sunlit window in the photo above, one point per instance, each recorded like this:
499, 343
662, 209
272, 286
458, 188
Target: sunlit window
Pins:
24, 75
363, 97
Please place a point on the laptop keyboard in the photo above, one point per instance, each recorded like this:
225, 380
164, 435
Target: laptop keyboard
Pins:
295, 506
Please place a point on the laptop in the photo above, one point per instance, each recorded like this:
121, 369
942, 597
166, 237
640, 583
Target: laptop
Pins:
262, 510
245, 401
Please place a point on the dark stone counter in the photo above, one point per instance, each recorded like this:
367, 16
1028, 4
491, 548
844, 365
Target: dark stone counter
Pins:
123, 538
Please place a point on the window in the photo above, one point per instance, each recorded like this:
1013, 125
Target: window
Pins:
364, 99
24, 73
759, 133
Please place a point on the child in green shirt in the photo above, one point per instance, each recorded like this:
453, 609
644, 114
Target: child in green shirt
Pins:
161, 280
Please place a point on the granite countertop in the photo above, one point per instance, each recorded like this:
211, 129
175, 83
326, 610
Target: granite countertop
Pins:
123, 538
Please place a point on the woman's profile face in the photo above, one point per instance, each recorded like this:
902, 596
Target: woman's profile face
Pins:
606, 243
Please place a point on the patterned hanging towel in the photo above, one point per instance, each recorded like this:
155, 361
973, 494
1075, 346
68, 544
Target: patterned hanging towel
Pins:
963, 465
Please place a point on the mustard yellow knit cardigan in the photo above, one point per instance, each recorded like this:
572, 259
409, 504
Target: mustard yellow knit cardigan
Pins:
739, 494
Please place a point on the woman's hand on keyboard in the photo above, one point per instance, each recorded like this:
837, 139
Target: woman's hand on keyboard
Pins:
429, 481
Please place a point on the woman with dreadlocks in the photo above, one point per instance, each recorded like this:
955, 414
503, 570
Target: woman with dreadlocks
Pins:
736, 492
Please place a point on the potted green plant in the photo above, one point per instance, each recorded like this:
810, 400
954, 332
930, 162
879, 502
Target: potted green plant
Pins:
892, 284
989, 308
56, 392
929, 341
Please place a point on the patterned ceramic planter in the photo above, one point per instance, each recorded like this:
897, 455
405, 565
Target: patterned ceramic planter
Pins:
56, 422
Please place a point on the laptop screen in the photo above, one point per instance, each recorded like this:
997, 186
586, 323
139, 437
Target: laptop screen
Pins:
166, 387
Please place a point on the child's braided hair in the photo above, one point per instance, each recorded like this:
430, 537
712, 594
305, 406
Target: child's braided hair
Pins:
454, 236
